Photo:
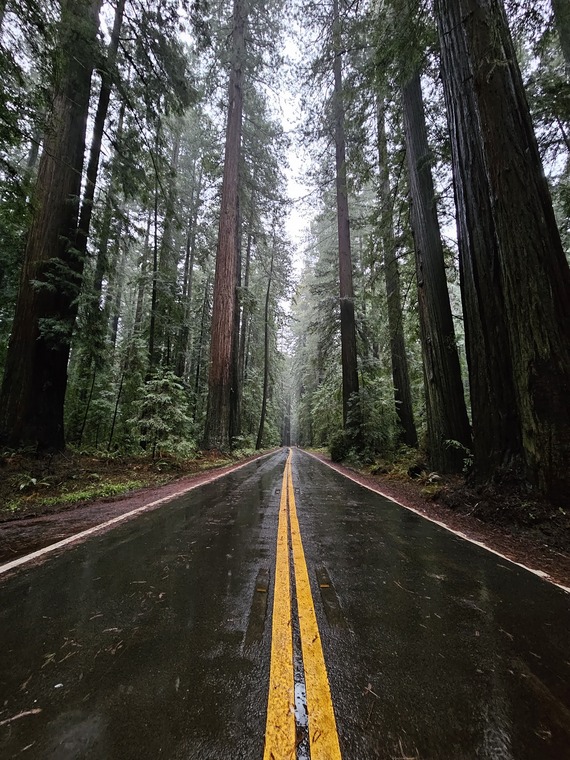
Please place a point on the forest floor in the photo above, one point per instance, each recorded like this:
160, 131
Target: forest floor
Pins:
45, 500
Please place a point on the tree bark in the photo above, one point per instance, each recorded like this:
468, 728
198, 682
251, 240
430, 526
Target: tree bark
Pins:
107, 74
235, 394
265, 353
217, 430
167, 272
400, 372
35, 376
347, 319
201, 337
245, 312
516, 278
188, 282
445, 402
152, 330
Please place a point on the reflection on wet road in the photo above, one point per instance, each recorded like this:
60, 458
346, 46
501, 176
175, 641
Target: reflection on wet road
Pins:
154, 639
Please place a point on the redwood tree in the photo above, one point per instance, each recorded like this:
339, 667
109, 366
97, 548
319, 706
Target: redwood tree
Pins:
445, 403
515, 277
222, 346
347, 320
35, 375
400, 371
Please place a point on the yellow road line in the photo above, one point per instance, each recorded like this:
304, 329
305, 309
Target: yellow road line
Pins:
323, 736
280, 726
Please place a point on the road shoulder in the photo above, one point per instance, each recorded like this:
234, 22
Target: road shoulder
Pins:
547, 561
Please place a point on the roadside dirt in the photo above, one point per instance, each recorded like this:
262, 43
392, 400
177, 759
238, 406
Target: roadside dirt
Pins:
531, 538
35, 525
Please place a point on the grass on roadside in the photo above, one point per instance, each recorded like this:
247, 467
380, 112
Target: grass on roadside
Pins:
31, 485
64, 499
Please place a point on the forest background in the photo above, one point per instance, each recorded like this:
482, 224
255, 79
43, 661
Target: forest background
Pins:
150, 307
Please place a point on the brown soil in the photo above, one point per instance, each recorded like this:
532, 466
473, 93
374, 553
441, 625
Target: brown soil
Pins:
527, 531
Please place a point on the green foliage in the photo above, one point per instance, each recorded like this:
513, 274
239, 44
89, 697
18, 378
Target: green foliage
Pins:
340, 446
27, 482
372, 420
100, 491
163, 422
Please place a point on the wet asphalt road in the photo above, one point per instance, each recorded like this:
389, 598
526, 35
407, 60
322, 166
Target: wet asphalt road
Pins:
151, 640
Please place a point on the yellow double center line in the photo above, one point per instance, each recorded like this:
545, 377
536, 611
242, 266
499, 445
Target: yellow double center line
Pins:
280, 735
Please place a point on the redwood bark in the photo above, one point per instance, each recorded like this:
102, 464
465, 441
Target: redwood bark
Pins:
35, 376
446, 413
347, 320
400, 372
222, 348
516, 280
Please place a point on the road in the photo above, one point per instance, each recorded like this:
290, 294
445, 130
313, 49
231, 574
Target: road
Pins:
163, 638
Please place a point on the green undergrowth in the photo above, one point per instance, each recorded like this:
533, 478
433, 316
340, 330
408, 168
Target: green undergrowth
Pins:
66, 498
31, 485
394, 465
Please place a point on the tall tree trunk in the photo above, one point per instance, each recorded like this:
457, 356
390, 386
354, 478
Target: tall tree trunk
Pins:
110, 211
188, 282
143, 268
115, 290
152, 330
509, 240
168, 261
347, 320
201, 337
235, 394
187, 292
445, 402
400, 372
35, 376
246, 309
217, 431
107, 74
265, 353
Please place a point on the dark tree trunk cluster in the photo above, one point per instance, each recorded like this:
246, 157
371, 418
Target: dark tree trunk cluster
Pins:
515, 277
35, 375
447, 422
400, 371
350, 385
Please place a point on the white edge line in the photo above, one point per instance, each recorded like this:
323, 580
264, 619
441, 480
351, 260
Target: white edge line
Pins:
102, 526
540, 573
